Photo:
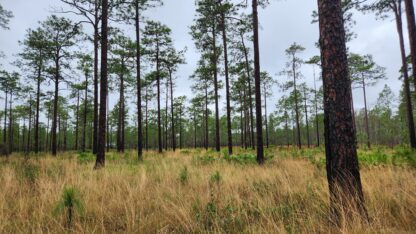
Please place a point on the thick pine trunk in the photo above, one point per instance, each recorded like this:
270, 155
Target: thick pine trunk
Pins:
346, 195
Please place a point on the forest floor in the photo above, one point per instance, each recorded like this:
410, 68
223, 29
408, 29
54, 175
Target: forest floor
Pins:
194, 191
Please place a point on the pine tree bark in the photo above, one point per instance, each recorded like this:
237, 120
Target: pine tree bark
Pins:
138, 84
159, 127
96, 42
172, 112
296, 103
346, 195
77, 122
55, 106
38, 106
227, 84
84, 129
250, 96
259, 123
100, 159
215, 71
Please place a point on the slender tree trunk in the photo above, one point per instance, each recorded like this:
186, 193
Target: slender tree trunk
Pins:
215, 70
38, 107
96, 42
172, 112
5, 119
266, 117
77, 122
316, 108
227, 84
47, 147
84, 129
147, 123
108, 125
367, 129
159, 129
11, 133
259, 123
250, 96
138, 84
411, 27
343, 173
55, 106
410, 120
206, 118
166, 115
28, 146
307, 120
296, 103
120, 124
100, 160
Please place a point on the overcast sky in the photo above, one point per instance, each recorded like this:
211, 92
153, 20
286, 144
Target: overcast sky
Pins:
282, 23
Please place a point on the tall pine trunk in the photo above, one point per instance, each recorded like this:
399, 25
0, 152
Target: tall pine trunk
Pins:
215, 71
84, 129
138, 84
55, 106
100, 159
259, 123
172, 113
346, 195
227, 85
96, 42
410, 120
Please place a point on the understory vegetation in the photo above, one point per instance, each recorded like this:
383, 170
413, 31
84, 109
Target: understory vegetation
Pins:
196, 191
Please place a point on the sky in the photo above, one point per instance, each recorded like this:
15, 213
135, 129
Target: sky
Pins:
281, 23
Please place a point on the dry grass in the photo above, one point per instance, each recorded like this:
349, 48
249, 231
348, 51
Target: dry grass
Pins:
160, 196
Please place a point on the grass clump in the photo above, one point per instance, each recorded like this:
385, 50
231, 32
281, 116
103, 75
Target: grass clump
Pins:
70, 205
184, 175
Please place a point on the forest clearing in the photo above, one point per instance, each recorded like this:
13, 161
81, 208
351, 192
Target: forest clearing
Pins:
207, 116
198, 191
